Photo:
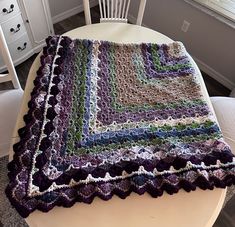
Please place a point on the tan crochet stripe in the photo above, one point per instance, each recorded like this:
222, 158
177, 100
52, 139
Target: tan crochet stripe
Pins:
130, 90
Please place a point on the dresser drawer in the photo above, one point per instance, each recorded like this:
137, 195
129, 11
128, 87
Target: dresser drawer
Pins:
8, 8
20, 47
14, 28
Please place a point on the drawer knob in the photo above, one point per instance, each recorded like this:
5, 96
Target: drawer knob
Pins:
9, 10
22, 48
14, 30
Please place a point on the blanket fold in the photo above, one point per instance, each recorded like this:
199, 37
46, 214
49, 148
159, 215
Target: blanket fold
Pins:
107, 118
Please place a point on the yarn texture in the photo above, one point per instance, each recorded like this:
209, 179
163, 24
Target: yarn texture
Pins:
107, 118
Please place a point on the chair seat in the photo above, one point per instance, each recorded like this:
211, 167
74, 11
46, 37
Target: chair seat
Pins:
225, 112
10, 101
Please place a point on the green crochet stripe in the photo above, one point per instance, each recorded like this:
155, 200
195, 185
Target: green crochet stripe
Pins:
156, 141
160, 67
79, 89
138, 62
153, 142
180, 127
161, 106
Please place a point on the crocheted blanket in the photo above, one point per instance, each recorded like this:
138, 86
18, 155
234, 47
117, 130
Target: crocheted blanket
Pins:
107, 118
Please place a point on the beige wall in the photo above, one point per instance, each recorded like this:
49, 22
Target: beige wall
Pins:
210, 41
62, 9
60, 6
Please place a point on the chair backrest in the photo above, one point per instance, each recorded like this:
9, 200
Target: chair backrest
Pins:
114, 11
11, 76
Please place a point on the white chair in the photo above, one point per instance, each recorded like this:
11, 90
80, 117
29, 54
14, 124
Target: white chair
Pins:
9, 99
114, 11
232, 94
225, 112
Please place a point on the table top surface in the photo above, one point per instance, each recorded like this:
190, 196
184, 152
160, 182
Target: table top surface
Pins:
194, 209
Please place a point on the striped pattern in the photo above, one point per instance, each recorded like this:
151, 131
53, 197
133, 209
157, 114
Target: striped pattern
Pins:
107, 118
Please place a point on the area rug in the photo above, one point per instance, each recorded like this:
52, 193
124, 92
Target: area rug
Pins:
8, 215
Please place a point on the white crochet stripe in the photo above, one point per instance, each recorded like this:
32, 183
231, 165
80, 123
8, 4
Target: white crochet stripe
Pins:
156, 123
125, 175
94, 78
32, 187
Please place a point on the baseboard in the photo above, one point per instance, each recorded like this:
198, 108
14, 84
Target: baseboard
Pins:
214, 74
71, 12
39, 48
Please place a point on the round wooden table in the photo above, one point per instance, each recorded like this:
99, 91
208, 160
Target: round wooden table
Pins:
195, 209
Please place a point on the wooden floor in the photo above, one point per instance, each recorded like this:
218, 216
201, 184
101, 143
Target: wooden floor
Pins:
227, 215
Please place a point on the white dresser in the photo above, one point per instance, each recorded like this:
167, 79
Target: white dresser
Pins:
26, 24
